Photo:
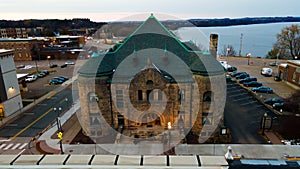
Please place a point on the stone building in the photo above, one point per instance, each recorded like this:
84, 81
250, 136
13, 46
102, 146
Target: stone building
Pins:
10, 97
149, 84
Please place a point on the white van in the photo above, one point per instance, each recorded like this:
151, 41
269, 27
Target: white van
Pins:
266, 71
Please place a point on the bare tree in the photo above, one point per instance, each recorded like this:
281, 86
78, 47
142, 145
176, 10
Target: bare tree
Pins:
288, 41
228, 50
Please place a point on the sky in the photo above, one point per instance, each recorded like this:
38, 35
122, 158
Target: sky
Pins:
115, 10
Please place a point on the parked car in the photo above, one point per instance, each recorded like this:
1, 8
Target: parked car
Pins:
60, 78
248, 79
41, 74
55, 81
235, 73
31, 78
229, 79
46, 72
266, 71
53, 65
252, 84
63, 65
242, 76
277, 78
63, 78
273, 100
262, 89
69, 63
231, 69
273, 64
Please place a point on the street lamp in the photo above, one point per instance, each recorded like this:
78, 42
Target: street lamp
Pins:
48, 58
169, 132
264, 123
249, 55
228, 50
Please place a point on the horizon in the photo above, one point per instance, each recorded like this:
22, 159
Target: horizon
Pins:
115, 10
144, 16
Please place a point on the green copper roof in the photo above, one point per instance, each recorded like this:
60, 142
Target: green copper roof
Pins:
153, 39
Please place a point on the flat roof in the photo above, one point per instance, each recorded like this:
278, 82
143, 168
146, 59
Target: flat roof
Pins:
5, 50
297, 62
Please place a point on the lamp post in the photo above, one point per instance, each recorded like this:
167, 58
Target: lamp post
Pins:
48, 58
228, 50
248, 55
169, 132
264, 123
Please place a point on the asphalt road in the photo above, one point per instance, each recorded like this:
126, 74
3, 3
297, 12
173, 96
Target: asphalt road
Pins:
32, 122
243, 115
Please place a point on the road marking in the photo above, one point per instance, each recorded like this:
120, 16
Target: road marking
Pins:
2, 145
32, 123
8, 146
22, 146
52, 94
16, 145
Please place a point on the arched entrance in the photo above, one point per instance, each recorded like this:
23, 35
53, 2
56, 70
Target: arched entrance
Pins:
150, 120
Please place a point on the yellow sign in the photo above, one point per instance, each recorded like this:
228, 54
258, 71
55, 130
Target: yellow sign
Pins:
60, 135
1, 112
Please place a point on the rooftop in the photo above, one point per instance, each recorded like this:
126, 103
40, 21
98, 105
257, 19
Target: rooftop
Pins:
152, 39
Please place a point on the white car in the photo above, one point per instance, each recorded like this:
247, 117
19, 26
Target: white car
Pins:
266, 71
69, 63
30, 78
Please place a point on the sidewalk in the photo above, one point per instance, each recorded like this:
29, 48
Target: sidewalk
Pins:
272, 137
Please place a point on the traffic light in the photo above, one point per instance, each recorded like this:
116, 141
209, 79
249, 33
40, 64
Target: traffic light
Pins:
60, 135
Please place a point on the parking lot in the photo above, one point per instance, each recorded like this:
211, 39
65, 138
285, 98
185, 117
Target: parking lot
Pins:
41, 86
243, 115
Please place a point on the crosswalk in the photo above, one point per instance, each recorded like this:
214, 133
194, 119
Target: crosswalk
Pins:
13, 146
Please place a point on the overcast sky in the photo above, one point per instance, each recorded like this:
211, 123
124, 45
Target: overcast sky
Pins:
112, 10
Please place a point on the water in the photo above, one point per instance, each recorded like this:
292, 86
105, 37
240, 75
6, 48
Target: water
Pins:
257, 39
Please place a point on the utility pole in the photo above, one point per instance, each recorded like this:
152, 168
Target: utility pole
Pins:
241, 44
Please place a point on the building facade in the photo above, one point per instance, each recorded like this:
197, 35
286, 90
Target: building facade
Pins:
150, 83
290, 72
21, 47
13, 33
10, 98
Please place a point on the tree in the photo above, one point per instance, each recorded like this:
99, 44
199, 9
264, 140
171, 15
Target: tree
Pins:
288, 42
228, 50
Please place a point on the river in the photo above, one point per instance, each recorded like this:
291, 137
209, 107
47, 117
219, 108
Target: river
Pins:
256, 39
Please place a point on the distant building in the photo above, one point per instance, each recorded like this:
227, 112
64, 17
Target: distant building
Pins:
13, 33
10, 97
181, 98
290, 72
21, 47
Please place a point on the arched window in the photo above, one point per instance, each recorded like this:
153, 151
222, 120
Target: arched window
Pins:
208, 97
149, 83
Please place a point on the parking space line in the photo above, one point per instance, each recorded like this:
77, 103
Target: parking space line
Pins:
244, 104
238, 94
242, 99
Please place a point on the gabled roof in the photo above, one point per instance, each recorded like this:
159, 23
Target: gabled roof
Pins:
152, 39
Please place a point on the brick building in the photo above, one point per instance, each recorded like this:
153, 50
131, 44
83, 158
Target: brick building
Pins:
290, 72
13, 33
21, 47
149, 84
